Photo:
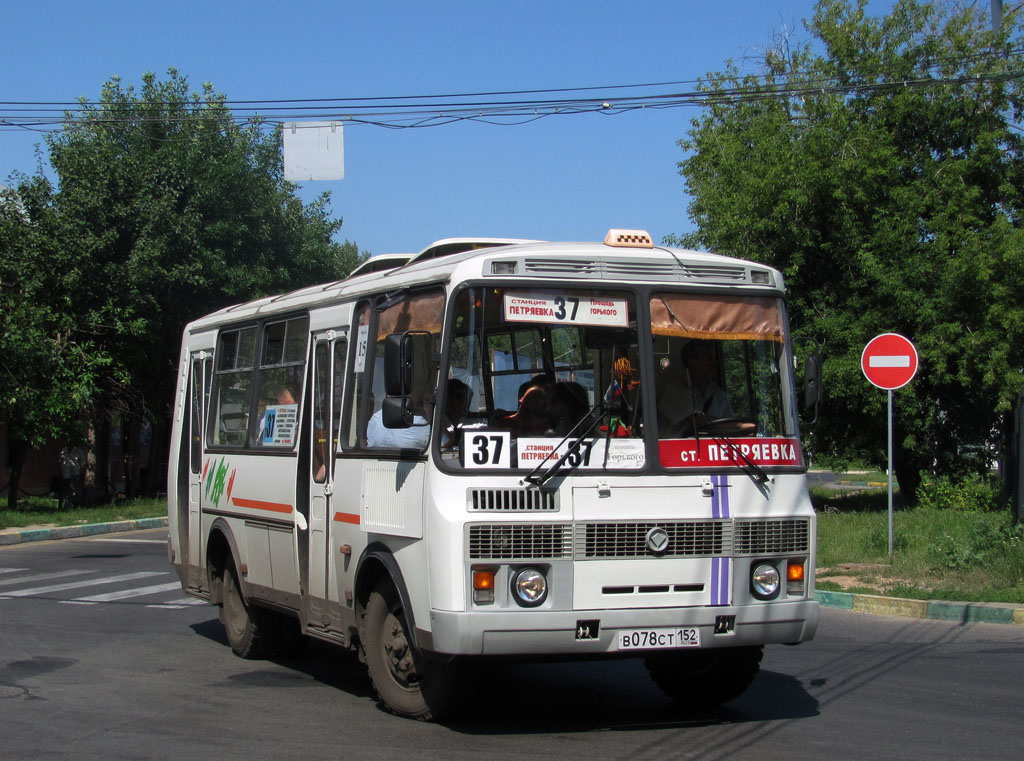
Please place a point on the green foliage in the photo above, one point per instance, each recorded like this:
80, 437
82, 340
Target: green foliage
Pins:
165, 209
878, 166
170, 210
971, 492
48, 364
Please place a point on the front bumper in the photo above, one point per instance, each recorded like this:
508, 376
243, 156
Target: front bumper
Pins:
544, 632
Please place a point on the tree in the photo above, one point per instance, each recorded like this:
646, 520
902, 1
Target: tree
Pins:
171, 210
48, 366
879, 166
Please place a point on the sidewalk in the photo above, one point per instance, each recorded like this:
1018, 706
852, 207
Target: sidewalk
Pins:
9, 536
984, 612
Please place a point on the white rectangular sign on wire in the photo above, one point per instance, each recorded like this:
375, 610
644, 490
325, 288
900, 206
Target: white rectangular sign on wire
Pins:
313, 151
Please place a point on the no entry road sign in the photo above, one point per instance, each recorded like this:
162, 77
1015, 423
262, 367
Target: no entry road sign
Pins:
889, 361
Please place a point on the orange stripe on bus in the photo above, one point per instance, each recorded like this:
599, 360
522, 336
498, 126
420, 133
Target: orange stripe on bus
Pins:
346, 518
255, 504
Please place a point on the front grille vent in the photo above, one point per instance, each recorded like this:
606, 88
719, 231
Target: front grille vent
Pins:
772, 537
636, 268
713, 272
597, 541
519, 541
512, 500
563, 267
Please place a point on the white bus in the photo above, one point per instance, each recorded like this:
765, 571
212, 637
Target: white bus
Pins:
502, 448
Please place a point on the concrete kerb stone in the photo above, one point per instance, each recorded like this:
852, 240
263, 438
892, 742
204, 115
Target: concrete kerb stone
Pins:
991, 613
15, 536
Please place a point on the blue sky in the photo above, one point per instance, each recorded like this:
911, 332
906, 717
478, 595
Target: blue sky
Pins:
561, 178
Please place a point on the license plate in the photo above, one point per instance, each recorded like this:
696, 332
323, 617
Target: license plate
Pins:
658, 639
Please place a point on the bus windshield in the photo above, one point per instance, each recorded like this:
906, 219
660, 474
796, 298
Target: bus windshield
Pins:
533, 370
537, 366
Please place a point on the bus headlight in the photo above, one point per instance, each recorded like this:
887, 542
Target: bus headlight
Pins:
765, 581
529, 587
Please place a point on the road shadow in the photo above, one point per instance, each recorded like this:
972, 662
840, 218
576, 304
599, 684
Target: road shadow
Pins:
510, 698
515, 697
323, 662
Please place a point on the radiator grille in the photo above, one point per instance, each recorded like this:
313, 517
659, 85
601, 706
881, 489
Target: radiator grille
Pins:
519, 541
772, 537
596, 541
512, 500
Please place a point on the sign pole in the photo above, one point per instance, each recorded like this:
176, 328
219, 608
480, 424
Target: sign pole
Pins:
890, 476
889, 361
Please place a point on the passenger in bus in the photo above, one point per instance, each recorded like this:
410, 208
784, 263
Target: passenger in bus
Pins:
415, 436
569, 405
456, 405
691, 397
533, 417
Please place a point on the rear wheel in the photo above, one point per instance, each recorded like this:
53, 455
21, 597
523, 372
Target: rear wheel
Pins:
695, 678
407, 682
250, 630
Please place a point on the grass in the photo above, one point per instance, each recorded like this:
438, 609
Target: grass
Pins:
35, 511
939, 553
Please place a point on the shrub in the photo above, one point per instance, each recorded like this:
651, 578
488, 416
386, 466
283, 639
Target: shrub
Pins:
972, 493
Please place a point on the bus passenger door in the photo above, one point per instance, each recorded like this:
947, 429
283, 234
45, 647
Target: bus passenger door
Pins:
199, 384
327, 374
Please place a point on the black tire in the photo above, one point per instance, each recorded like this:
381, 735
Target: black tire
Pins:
696, 678
250, 630
407, 682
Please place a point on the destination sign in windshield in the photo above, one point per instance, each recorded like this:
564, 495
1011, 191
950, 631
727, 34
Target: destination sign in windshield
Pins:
572, 310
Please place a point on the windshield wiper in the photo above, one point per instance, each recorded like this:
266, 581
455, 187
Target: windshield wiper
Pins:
747, 465
542, 478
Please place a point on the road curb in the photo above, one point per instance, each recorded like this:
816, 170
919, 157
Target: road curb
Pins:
9, 537
964, 612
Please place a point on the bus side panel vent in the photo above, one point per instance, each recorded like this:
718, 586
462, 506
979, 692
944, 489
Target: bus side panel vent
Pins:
511, 500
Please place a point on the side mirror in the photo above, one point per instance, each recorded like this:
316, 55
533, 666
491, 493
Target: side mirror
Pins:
812, 382
407, 361
397, 412
397, 365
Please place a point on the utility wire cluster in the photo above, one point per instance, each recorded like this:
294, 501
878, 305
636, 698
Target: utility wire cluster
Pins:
504, 108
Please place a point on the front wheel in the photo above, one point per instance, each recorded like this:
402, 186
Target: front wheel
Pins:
696, 678
250, 630
407, 682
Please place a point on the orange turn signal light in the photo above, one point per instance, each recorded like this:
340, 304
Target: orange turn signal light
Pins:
795, 570
483, 579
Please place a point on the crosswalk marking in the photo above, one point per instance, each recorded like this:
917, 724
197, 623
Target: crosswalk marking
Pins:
124, 594
40, 577
11, 577
181, 602
86, 583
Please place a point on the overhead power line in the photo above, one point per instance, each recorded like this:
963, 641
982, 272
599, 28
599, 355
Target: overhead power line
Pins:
504, 108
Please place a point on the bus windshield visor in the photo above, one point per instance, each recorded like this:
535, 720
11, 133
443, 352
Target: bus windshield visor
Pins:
540, 375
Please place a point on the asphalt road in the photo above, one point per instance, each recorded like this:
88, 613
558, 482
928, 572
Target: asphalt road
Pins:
107, 660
